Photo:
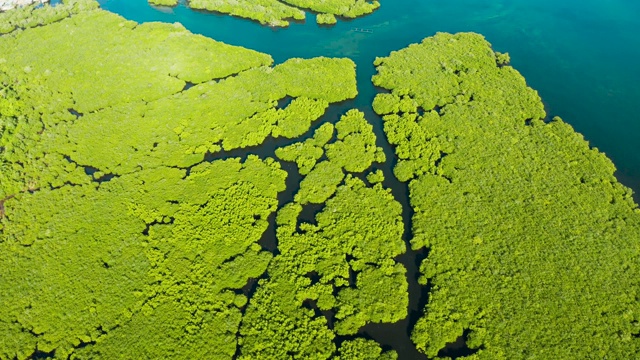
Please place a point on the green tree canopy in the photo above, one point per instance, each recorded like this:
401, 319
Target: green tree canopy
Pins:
532, 241
116, 238
343, 263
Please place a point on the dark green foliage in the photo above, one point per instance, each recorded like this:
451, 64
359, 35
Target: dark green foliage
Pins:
533, 242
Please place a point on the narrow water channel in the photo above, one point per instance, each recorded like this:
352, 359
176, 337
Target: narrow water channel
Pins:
554, 44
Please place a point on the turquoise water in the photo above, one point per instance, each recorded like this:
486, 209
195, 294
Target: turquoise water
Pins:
582, 56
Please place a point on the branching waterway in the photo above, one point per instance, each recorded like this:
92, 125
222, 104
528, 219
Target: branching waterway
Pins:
579, 58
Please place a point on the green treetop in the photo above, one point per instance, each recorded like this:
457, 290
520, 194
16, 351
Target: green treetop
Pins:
118, 110
354, 151
163, 2
267, 12
345, 8
39, 15
116, 239
306, 154
147, 264
343, 263
532, 241
278, 13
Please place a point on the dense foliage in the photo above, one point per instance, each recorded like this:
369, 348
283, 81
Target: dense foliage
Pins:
277, 13
163, 2
532, 242
116, 238
120, 237
63, 106
37, 15
306, 154
267, 12
338, 273
326, 19
345, 8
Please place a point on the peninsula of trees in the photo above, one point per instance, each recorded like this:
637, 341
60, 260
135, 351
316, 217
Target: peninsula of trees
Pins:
278, 13
128, 231
533, 243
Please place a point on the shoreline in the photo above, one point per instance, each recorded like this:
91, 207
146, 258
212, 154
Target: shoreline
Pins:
6, 5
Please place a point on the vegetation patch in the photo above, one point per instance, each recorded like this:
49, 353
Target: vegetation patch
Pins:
337, 274
121, 237
278, 13
532, 241
116, 238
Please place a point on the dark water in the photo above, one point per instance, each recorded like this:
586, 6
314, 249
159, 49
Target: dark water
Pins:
582, 56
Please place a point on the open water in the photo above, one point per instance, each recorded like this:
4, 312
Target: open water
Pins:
583, 57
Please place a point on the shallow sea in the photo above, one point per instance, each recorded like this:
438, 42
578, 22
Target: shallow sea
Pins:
583, 57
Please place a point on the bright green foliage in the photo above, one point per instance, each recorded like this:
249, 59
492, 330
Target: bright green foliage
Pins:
125, 128
276, 13
146, 257
79, 267
343, 263
320, 184
355, 149
355, 238
163, 2
503, 58
25, 109
239, 111
329, 79
34, 15
267, 12
306, 154
326, 19
389, 103
167, 56
359, 306
296, 118
532, 239
346, 8
375, 177
451, 75
364, 350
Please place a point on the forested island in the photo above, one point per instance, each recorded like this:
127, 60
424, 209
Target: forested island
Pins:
135, 210
278, 13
